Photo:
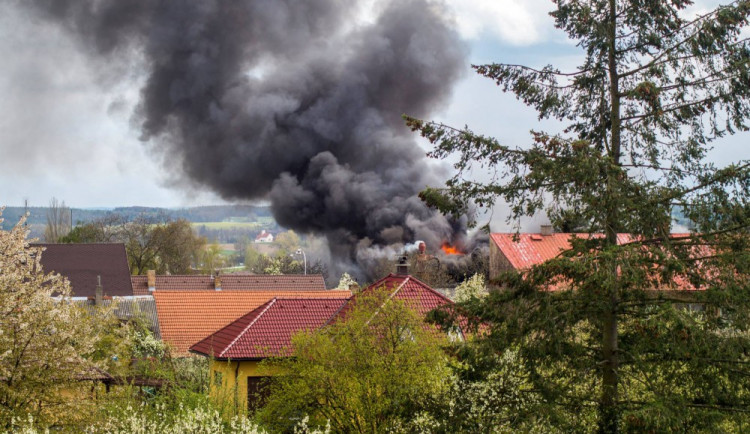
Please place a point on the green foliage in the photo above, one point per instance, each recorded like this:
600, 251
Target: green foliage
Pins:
280, 263
502, 401
212, 259
371, 372
151, 244
44, 340
473, 287
654, 90
166, 247
87, 233
288, 241
252, 259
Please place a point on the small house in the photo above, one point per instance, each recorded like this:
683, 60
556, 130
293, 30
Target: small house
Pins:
237, 348
264, 237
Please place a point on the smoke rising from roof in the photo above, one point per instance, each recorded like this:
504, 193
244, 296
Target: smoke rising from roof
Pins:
290, 101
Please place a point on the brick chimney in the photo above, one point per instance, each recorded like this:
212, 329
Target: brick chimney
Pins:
402, 265
217, 282
99, 292
545, 230
151, 277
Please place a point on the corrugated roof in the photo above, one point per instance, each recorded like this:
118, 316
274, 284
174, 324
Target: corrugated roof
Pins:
82, 263
267, 331
231, 282
186, 317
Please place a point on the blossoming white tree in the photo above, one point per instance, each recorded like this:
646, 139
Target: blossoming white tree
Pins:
42, 335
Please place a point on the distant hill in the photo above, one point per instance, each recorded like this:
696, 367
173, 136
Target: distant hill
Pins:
199, 214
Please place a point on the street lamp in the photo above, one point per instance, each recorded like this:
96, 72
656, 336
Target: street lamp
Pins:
304, 257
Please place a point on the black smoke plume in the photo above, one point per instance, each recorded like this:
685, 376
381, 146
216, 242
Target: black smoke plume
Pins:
295, 102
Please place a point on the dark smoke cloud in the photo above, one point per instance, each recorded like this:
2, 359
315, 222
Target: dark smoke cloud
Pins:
290, 101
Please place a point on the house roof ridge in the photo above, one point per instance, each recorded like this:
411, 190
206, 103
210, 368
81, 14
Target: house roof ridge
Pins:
338, 311
434, 291
269, 303
309, 299
76, 244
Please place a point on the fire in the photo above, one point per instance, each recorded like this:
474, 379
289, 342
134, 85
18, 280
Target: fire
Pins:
450, 250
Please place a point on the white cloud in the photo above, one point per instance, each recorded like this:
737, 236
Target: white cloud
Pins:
517, 22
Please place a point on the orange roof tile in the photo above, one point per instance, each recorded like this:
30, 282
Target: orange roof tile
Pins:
186, 317
231, 282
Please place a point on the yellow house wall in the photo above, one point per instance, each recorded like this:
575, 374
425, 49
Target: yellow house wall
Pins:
233, 388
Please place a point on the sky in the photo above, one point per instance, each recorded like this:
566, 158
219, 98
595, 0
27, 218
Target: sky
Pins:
68, 134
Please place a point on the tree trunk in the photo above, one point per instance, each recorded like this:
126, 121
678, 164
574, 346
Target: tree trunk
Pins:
609, 414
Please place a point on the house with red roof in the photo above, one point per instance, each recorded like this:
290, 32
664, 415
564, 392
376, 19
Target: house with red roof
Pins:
266, 331
264, 237
511, 251
187, 317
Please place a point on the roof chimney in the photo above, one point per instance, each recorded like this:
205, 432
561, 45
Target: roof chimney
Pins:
402, 265
99, 293
151, 277
217, 282
545, 230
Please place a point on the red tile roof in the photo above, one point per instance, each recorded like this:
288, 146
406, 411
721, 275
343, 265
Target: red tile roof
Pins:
186, 317
267, 331
82, 263
417, 294
231, 282
533, 249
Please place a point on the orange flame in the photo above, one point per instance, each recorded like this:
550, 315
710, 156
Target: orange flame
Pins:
450, 250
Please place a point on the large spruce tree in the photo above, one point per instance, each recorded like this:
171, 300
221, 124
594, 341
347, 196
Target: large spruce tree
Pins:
624, 347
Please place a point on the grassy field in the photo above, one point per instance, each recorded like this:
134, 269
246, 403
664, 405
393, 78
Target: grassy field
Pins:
229, 225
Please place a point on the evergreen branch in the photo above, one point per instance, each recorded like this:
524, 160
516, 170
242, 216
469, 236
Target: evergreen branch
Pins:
670, 109
742, 409
677, 45
725, 174
675, 59
534, 70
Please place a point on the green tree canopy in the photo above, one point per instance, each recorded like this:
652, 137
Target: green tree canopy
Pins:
157, 244
288, 241
654, 90
369, 373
